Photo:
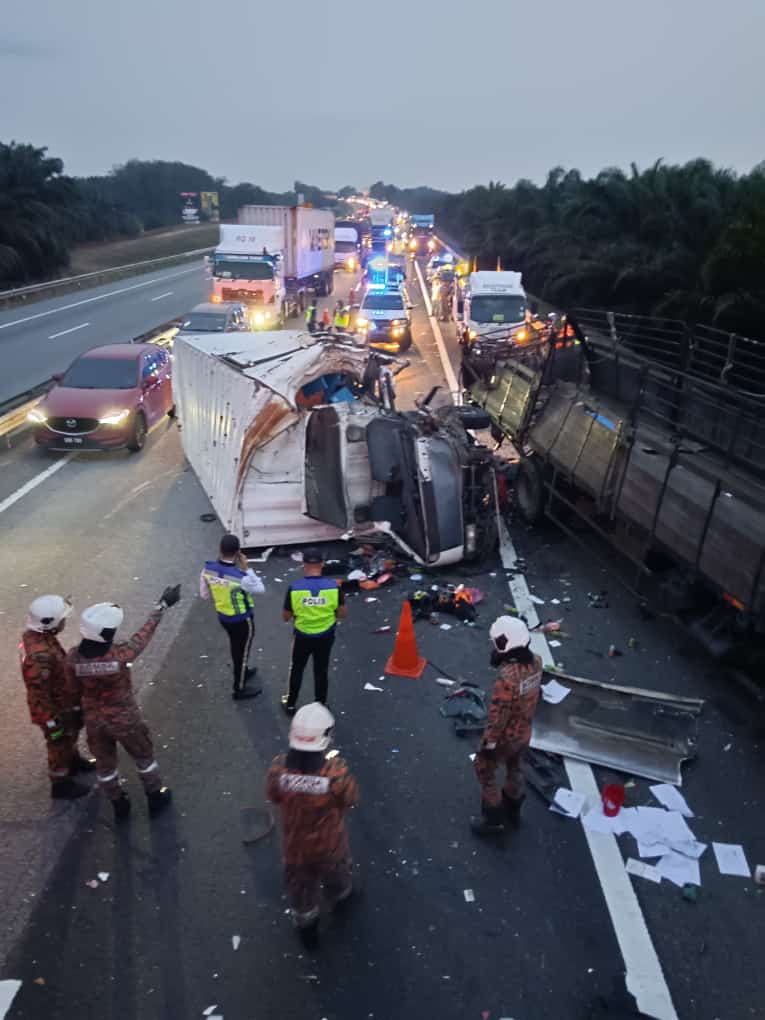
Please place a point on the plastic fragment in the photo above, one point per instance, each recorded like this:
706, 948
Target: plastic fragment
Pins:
469, 895
371, 687
92, 884
236, 942
104, 876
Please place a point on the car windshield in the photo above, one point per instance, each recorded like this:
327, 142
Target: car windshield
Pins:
498, 308
232, 269
102, 374
345, 246
205, 322
393, 301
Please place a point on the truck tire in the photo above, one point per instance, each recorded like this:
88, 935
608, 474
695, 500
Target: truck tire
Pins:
530, 490
406, 342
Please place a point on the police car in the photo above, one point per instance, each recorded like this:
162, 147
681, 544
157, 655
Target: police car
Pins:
384, 318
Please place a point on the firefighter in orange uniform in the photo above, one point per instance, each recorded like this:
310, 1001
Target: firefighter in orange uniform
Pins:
51, 706
97, 669
314, 793
508, 730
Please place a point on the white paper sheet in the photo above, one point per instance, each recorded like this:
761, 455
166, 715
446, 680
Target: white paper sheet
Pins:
554, 643
652, 849
690, 849
731, 859
679, 869
371, 687
554, 693
8, 991
643, 870
568, 803
536, 600
672, 799
596, 821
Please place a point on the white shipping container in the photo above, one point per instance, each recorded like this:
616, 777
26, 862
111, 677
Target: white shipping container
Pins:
236, 239
309, 236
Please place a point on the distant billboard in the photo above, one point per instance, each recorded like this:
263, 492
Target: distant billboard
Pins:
209, 206
190, 210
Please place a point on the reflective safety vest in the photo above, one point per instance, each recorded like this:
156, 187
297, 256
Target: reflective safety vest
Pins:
342, 319
314, 602
231, 602
310, 314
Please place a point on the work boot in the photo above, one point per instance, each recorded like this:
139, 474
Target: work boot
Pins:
512, 806
491, 821
67, 789
308, 930
159, 800
82, 764
250, 672
246, 692
289, 709
121, 807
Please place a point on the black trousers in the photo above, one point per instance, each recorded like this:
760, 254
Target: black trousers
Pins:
240, 635
304, 646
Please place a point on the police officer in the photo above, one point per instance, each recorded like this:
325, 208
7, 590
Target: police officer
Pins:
508, 730
98, 672
52, 706
342, 318
314, 794
231, 583
315, 604
310, 316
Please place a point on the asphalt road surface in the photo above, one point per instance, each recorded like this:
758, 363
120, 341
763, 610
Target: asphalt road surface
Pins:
46, 336
543, 936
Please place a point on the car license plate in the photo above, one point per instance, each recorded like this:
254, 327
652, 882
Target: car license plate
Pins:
73, 440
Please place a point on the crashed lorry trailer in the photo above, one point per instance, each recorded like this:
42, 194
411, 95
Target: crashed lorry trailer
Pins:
295, 439
649, 435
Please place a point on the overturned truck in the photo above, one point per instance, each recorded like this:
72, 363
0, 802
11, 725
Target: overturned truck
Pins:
651, 436
295, 438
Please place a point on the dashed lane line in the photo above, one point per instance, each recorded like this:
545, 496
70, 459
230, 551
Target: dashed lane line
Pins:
72, 329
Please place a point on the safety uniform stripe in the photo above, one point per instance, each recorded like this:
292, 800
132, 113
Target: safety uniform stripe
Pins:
149, 768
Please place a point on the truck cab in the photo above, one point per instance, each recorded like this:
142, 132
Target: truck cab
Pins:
246, 268
490, 304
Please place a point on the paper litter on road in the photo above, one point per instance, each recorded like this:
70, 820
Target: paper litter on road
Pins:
691, 848
92, 883
554, 692
555, 644
104, 876
672, 799
596, 821
371, 687
235, 942
731, 859
566, 802
444, 682
370, 598
679, 869
469, 895
642, 870
555, 602
415, 577
446, 626
652, 849
210, 1010
651, 825
8, 989
536, 600
472, 756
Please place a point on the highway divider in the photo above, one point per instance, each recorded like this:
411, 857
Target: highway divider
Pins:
38, 291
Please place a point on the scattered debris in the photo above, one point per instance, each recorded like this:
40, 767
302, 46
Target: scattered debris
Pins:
642, 870
555, 602
446, 626
444, 682
555, 644
731, 859
553, 692
690, 892
536, 600
679, 869
568, 803
415, 577
39, 981
613, 652
370, 598
209, 1011
236, 942
759, 874
672, 799
103, 876
467, 707
92, 883
613, 799
727, 747
371, 687
632, 643
383, 630
598, 599
469, 895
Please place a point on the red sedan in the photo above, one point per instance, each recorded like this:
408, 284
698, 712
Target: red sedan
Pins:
108, 398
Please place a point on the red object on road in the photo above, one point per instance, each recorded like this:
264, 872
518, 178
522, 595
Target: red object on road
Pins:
405, 660
613, 799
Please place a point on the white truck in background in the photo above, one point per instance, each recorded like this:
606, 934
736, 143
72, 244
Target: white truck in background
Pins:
247, 268
489, 303
308, 256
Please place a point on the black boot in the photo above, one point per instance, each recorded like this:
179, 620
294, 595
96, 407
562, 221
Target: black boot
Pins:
159, 800
512, 806
82, 764
490, 823
67, 789
246, 692
121, 807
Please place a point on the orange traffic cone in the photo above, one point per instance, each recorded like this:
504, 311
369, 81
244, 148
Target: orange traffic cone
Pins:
405, 661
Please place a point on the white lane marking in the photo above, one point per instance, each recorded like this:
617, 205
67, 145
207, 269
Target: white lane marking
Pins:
160, 296
98, 297
33, 483
63, 332
451, 378
126, 499
644, 975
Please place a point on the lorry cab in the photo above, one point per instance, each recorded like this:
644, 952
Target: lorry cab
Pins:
246, 268
347, 248
489, 303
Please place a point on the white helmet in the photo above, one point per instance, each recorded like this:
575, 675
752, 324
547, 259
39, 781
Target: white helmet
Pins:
509, 632
311, 729
47, 612
98, 618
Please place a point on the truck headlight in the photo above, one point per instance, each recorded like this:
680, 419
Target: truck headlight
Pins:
259, 318
36, 416
115, 418
362, 323
472, 334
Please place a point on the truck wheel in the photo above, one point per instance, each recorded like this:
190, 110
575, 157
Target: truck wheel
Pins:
530, 490
406, 343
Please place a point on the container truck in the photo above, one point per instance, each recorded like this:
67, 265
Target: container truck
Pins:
421, 233
308, 256
489, 303
247, 267
347, 246
381, 225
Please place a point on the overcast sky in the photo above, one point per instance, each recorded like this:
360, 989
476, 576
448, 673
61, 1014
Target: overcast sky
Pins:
448, 94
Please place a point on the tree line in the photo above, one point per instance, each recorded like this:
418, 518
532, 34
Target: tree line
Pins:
684, 242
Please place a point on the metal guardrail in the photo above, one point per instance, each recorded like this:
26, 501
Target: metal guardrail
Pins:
67, 283
13, 412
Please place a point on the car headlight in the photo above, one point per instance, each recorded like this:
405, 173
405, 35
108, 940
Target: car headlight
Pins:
116, 418
362, 323
38, 417
472, 334
259, 318
521, 335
